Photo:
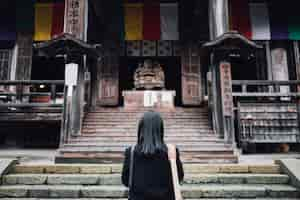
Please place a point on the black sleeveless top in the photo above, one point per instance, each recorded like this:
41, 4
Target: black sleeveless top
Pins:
151, 176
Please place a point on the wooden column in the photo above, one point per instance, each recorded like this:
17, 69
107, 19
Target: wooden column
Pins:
76, 24
24, 58
218, 17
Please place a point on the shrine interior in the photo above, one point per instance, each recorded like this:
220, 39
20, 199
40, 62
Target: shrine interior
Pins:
170, 65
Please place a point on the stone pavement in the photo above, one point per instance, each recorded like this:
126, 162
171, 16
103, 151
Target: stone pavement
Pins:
46, 156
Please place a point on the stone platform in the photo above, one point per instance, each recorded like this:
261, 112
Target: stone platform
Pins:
163, 99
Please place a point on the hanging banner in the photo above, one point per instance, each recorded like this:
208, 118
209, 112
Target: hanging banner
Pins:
151, 21
58, 19
75, 18
278, 22
133, 21
7, 22
169, 21
25, 16
43, 21
259, 15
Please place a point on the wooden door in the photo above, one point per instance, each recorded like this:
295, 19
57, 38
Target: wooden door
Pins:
191, 75
109, 79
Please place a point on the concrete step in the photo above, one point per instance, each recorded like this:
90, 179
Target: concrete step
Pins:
115, 179
188, 191
117, 168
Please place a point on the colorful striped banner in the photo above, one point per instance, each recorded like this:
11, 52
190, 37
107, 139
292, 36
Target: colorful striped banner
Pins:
265, 21
49, 20
133, 21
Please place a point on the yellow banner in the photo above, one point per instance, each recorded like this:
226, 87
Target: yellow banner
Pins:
133, 21
43, 21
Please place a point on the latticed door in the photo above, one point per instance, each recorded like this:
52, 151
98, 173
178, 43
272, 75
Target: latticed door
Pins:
191, 75
109, 80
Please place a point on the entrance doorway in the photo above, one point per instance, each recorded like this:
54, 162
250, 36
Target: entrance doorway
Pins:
170, 65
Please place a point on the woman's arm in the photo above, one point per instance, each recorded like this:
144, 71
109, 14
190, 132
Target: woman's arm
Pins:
126, 164
179, 166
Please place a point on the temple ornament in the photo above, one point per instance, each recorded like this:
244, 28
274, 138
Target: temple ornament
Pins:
149, 76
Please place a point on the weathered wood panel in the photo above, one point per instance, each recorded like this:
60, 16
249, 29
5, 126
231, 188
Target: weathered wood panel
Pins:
191, 75
109, 79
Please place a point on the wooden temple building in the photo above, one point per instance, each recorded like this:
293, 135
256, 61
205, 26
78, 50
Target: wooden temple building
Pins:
79, 74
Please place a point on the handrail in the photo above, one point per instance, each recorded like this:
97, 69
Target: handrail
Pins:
16, 93
265, 88
264, 82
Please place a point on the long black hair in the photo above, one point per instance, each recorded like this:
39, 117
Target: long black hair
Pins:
151, 134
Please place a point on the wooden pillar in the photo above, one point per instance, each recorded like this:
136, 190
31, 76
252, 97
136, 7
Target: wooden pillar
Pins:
76, 13
218, 17
24, 57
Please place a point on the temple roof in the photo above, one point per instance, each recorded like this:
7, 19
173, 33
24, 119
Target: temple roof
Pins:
231, 40
67, 44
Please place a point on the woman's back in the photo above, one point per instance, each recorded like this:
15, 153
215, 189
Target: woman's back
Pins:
152, 177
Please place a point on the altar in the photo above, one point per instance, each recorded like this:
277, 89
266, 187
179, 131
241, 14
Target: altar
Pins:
162, 99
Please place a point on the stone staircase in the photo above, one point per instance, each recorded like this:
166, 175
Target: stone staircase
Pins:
103, 181
107, 132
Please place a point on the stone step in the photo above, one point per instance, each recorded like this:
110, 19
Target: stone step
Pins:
115, 157
115, 179
117, 168
126, 199
176, 110
133, 131
125, 124
213, 157
170, 139
116, 129
188, 191
123, 144
136, 119
133, 134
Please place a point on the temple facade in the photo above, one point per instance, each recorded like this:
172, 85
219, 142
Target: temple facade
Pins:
223, 73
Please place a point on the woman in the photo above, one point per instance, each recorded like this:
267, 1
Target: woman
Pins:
151, 178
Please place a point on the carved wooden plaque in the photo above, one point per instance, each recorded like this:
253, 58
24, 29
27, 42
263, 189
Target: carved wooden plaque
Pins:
226, 88
191, 75
75, 17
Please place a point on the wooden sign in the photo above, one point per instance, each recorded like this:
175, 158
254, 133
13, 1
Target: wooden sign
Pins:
75, 18
226, 88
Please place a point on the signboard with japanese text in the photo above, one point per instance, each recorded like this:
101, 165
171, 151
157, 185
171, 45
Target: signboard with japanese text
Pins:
226, 88
75, 18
